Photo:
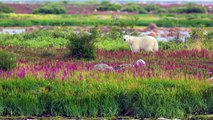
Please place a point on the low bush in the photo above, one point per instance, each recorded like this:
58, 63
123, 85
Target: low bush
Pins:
201, 38
5, 9
50, 9
172, 45
152, 7
82, 45
134, 8
7, 60
191, 8
107, 6
142, 11
131, 8
160, 10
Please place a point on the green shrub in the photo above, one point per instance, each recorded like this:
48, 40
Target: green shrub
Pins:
201, 38
5, 9
190, 8
107, 6
172, 45
160, 10
50, 9
134, 8
7, 60
1, 104
131, 8
142, 11
82, 46
152, 7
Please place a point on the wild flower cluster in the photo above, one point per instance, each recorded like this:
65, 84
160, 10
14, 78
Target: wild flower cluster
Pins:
184, 64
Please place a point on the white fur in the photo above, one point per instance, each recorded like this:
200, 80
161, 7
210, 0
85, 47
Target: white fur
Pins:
136, 44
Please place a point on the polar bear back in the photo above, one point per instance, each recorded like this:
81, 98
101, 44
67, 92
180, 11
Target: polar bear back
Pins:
147, 43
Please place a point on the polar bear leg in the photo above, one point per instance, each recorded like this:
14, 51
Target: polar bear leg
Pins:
155, 47
149, 49
134, 48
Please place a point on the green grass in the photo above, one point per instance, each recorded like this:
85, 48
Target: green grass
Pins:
112, 44
91, 98
162, 20
59, 38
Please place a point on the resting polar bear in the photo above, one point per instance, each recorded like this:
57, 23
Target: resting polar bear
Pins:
147, 43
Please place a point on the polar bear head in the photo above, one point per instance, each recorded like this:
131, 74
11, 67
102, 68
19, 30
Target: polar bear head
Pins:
126, 38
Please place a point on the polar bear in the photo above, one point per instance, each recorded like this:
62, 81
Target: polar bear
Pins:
147, 43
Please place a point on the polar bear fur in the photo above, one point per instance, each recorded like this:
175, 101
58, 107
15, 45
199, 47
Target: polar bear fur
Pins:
147, 43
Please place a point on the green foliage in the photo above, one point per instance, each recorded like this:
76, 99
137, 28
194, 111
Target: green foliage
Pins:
114, 33
173, 45
183, 23
7, 60
142, 11
161, 10
5, 9
42, 38
164, 20
107, 6
59, 38
82, 45
50, 9
134, 8
198, 34
152, 7
110, 44
190, 8
90, 98
201, 38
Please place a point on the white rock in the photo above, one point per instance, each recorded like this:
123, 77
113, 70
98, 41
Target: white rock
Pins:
102, 67
139, 62
161, 118
122, 66
210, 79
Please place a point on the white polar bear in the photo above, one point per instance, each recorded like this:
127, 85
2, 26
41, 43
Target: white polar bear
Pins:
147, 43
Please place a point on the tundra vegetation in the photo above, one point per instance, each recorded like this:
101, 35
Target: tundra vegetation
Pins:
49, 72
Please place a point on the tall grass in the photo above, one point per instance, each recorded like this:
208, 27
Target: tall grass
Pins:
109, 97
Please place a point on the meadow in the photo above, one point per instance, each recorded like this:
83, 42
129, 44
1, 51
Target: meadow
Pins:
172, 84
162, 20
46, 82
49, 70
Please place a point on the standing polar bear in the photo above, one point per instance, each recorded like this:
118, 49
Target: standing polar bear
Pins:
147, 43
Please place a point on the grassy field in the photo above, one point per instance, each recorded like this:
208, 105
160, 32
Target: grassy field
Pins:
172, 84
105, 97
59, 38
162, 20
48, 82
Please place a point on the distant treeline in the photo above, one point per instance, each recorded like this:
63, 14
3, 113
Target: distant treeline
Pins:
60, 8
151, 8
